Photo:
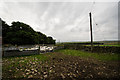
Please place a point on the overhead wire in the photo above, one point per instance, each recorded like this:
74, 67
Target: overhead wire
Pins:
94, 22
98, 28
92, 6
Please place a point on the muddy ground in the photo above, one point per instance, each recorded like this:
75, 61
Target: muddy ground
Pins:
60, 66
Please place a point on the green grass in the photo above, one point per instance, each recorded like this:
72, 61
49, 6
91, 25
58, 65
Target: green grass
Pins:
100, 56
27, 57
20, 62
23, 60
105, 45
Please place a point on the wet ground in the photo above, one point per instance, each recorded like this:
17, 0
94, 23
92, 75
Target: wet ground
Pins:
60, 66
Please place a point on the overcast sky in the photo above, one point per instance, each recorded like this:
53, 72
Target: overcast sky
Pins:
65, 21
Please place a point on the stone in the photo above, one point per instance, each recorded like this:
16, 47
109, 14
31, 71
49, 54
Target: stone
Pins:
50, 71
30, 76
27, 70
50, 67
45, 76
10, 70
91, 76
44, 72
85, 66
27, 73
38, 72
62, 76
33, 63
83, 70
77, 72
32, 69
74, 75
33, 72
68, 74
98, 73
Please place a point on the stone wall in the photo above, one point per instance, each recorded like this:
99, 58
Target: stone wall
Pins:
98, 49
14, 51
19, 53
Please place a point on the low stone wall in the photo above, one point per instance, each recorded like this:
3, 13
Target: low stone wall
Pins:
19, 53
16, 52
98, 49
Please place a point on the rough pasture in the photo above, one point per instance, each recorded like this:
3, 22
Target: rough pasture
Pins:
62, 64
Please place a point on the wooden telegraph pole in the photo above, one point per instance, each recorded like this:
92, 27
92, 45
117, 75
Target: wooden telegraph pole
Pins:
91, 31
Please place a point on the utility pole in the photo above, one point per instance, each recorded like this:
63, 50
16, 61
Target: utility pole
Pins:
91, 31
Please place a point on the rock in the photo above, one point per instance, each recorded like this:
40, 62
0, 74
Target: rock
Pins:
41, 78
77, 72
68, 74
98, 73
21, 69
104, 67
45, 76
62, 76
33, 63
74, 75
83, 71
46, 66
33, 72
24, 75
85, 66
27, 70
91, 76
50, 67
32, 69
38, 72
44, 72
61, 59
53, 71
106, 74
50, 71
27, 73
30, 76
10, 70
75, 64
53, 66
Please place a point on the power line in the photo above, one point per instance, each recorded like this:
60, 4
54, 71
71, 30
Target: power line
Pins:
98, 27
92, 6
94, 22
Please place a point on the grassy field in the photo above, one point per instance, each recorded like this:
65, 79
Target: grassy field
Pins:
105, 42
105, 45
100, 56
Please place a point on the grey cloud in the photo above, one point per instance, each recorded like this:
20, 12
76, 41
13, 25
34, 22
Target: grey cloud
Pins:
65, 21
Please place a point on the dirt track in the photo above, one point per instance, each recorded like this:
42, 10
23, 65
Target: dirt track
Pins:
60, 66
74, 67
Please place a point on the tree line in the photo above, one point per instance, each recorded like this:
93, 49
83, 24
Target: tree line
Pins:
20, 33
